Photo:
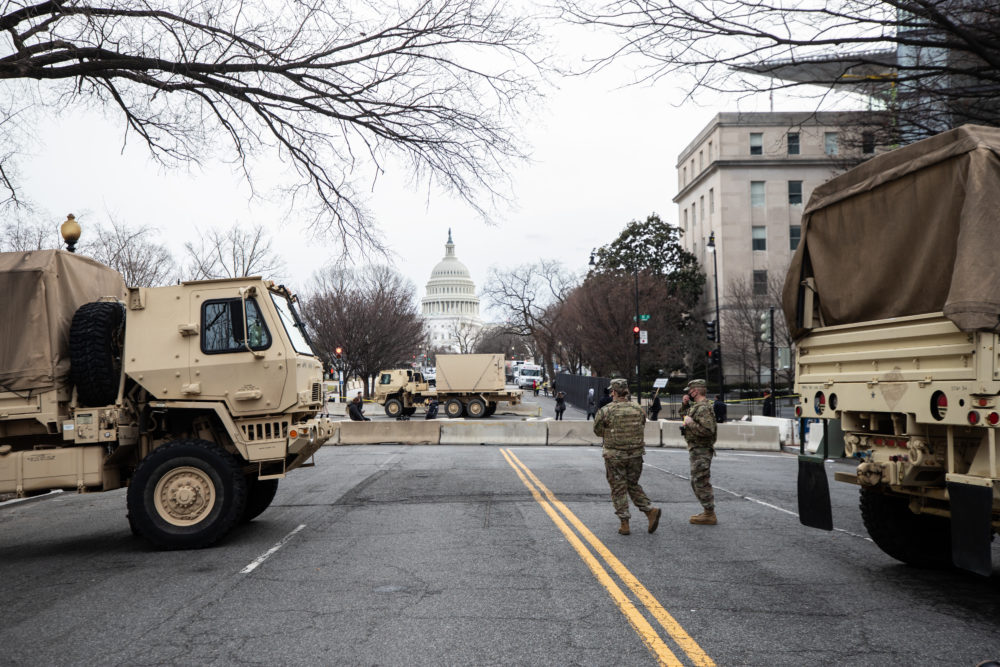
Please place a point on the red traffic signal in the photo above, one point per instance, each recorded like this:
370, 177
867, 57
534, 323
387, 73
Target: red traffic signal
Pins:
635, 333
338, 352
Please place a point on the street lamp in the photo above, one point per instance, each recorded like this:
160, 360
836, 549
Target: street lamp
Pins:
635, 329
718, 321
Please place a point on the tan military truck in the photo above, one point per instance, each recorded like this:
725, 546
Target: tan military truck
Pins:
467, 384
199, 396
893, 297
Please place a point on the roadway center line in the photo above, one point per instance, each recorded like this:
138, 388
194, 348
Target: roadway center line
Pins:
647, 634
677, 633
267, 554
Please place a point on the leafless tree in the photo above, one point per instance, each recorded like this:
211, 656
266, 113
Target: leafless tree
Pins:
333, 89
233, 253
498, 340
745, 351
132, 251
466, 335
18, 234
525, 296
371, 313
933, 64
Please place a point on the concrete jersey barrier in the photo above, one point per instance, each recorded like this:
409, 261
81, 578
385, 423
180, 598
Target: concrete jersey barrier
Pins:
730, 435
571, 432
481, 432
405, 432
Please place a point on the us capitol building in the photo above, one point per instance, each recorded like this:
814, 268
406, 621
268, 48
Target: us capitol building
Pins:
450, 308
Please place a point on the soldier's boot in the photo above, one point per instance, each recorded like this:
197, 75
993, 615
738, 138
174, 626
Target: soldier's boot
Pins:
706, 518
654, 518
623, 529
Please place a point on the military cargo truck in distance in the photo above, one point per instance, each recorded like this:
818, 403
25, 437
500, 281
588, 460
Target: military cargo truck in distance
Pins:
199, 397
893, 297
467, 385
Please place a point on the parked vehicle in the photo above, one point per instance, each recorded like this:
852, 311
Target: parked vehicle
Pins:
527, 375
892, 299
467, 384
199, 397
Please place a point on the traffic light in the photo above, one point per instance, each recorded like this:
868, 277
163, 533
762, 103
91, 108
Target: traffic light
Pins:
714, 356
338, 352
765, 326
635, 333
710, 329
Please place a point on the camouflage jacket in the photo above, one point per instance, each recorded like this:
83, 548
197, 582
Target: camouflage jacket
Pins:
621, 424
702, 432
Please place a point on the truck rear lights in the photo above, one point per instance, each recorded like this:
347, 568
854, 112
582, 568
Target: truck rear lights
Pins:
819, 402
293, 433
993, 418
973, 417
939, 405
798, 410
878, 441
982, 402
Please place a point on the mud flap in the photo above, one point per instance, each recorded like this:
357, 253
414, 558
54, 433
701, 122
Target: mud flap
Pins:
971, 529
814, 494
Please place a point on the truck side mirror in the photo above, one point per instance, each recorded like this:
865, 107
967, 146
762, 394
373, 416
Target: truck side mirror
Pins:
237, 321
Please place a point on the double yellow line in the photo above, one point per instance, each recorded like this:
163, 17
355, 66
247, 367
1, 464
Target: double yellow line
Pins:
657, 646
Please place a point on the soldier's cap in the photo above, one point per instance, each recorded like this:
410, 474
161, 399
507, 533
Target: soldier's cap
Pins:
619, 386
696, 383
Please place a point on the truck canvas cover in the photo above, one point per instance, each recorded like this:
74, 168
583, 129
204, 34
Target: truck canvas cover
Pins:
912, 231
39, 292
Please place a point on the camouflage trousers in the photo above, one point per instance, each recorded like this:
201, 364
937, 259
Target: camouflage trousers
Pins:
623, 477
701, 470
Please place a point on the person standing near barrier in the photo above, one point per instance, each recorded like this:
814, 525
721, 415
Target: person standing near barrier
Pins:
719, 409
700, 430
591, 404
621, 426
768, 403
654, 407
560, 405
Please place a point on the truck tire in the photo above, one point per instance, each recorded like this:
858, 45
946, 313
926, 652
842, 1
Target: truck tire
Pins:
393, 408
260, 494
96, 339
186, 494
491, 409
453, 408
920, 540
476, 408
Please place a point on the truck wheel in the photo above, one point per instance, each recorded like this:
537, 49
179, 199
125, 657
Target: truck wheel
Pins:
491, 409
260, 494
920, 540
393, 408
453, 408
186, 494
96, 338
476, 408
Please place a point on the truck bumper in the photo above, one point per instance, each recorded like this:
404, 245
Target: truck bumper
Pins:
306, 437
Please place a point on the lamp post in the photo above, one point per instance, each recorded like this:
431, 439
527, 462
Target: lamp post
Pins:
638, 364
718, 321
70, 231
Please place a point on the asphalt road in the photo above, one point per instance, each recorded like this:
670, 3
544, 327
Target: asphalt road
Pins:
394, 555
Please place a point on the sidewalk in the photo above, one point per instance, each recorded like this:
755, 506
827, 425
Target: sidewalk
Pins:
548, 405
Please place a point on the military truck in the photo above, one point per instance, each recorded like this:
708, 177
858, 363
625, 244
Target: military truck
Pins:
198, 397
892, 297
467, 384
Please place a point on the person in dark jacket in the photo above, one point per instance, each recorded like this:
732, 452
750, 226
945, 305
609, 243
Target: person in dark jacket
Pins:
604, 399
591, 403
719, 407
560, 405
654, 407
354, 411
768, 403
432, 409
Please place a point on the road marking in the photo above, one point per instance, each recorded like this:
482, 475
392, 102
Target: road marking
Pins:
267, 554
663, 617
759, 502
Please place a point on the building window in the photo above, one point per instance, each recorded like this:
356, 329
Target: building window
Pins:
760, 238
794, 236
793, 143
711, 201
685, 219
710, 152
756, 193
830, 143
701, 160
867, 143
684, 176
701, 207
760, 283
756, 143
794, 193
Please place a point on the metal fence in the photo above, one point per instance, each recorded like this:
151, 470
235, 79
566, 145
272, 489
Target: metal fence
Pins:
576, 387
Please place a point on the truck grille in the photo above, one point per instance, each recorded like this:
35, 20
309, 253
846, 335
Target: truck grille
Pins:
265, 430
317, 395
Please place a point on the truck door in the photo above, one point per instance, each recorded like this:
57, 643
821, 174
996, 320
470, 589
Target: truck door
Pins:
245, 366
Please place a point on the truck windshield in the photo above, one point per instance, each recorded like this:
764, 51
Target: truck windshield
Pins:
531, 373
293, 325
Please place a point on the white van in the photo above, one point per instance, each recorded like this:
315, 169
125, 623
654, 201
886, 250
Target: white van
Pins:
526, 375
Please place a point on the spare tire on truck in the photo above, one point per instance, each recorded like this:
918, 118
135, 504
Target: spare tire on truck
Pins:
96, 340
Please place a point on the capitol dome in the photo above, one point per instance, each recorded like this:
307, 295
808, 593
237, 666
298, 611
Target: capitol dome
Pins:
450, 306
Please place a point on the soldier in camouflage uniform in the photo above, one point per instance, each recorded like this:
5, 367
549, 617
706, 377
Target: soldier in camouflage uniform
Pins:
699, 432
620, 424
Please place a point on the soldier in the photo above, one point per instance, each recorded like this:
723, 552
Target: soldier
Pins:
699, 432
620, 424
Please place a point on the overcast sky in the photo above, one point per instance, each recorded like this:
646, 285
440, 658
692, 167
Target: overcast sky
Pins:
602, 154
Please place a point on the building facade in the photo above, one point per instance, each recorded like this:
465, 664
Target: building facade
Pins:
450, 307
746, 178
